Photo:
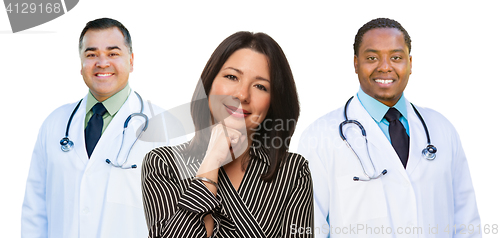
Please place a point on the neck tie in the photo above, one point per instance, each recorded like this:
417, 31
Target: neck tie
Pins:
399, 139
94, 128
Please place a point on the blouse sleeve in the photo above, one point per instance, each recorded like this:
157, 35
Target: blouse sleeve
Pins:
299, 213
170, 212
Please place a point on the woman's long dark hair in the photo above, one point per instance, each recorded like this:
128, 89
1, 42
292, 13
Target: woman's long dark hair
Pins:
283, 111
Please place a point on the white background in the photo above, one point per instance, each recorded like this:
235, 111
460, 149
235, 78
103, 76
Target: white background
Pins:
455, 50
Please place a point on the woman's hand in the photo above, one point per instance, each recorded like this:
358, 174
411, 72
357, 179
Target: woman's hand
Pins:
224, 143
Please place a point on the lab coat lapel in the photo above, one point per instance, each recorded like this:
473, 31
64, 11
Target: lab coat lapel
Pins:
418, 139
77, 132
381, 151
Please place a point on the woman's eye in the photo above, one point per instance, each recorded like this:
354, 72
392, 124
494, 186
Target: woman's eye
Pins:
231, 77
261, 87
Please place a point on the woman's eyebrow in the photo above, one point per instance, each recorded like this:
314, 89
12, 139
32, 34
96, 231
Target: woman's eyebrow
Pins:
241, 72
235, 69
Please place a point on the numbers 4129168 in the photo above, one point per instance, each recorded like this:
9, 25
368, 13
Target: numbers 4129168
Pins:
28, 8
471, 229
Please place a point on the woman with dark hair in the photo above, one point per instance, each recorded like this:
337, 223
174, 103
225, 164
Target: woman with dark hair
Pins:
235, 178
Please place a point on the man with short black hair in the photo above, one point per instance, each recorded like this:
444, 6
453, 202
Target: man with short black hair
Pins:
380, 166
85, 176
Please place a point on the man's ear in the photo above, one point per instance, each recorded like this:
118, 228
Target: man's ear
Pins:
410, 63
356, 64
131, 62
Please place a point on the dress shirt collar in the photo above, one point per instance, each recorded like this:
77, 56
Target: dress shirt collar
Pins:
112, 104
376, 109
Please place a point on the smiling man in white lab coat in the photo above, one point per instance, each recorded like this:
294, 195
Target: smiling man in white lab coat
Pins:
85, 176
386, 186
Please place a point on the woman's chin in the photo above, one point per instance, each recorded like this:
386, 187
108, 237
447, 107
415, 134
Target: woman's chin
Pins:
236, 123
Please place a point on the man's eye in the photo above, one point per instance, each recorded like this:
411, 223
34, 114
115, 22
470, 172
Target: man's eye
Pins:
397, 58
113, 54
371, 58
90, 55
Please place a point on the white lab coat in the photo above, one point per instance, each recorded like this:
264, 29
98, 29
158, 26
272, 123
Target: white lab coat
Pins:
425, 200
70, 195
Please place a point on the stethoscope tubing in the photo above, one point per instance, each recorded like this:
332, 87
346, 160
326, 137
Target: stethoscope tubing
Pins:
429, 152
67, 144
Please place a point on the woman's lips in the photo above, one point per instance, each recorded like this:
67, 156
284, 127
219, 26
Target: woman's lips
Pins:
236, 112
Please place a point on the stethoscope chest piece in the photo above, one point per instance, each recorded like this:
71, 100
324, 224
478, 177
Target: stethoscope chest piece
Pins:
66, 144
429, 152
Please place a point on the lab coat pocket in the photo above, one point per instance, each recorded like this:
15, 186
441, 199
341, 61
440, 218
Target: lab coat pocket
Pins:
125, 187
361, 201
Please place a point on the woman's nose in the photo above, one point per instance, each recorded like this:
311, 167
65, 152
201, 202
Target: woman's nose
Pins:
243, 93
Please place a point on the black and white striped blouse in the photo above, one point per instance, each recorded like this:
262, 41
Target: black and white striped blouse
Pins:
175, 205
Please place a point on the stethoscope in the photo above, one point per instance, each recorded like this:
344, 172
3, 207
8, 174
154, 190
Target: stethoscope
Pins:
429, 152
67, 144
